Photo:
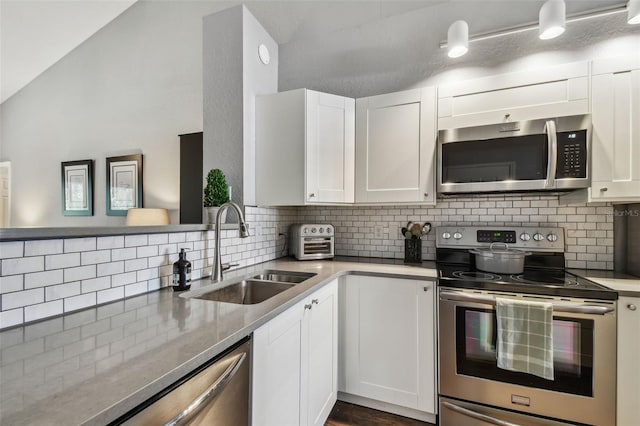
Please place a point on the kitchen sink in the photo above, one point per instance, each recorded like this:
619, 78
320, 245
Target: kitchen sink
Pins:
258, 288
246, 292
284, 276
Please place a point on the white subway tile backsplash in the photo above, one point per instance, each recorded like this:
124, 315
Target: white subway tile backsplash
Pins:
96, 284
147, 251
20, 299
177, 237
78, 302
11, 283
135, 264
135, 240
110, 295
80, 244
157, 239
110, 242
111, 268
93, 257
41, 247
123, 254
62, 291
123, 279
136, 288
9, 318
43, 310
11, 249
59, 261
42, 279
79, 273
22, 265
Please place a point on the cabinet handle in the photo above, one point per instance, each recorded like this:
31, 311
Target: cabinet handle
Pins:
426, 194
312, 195
425, 288
308, 306
631, 307
314, 302
604, 189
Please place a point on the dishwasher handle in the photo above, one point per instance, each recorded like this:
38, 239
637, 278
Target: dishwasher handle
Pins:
211, 393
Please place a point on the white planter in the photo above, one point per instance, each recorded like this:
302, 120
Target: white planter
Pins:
211, 215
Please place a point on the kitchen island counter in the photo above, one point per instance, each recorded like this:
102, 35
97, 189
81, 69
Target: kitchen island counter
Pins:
92, 366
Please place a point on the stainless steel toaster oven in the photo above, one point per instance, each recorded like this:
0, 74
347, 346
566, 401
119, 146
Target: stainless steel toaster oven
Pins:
311, 241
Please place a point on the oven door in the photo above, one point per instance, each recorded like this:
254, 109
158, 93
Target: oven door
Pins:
584, 336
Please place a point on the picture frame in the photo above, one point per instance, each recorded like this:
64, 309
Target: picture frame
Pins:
77, 188
124, 184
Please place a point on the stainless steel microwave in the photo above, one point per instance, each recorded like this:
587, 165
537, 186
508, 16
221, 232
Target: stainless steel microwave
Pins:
537, 155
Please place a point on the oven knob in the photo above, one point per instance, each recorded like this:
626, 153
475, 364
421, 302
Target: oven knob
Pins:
446, 235
305, 230
313, 230
457, 235
538, 237
328, 230
525, 237
552, 238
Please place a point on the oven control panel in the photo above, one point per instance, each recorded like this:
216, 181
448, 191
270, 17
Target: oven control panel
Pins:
522, 237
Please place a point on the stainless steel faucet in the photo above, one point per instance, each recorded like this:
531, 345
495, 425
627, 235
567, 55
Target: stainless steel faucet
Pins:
244, 233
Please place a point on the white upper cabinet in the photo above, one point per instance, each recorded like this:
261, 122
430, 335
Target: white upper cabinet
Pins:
615, 86
558, 91
395, 147
305, 144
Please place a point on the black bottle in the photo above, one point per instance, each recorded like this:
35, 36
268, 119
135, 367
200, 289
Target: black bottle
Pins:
181, 273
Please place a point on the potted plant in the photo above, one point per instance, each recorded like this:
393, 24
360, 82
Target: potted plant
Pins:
216, 193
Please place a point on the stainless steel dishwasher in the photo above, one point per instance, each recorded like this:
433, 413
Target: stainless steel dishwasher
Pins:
216, 394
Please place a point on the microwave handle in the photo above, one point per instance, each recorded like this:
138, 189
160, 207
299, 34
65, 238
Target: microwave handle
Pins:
552, 159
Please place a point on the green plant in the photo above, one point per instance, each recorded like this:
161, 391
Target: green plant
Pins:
216, 193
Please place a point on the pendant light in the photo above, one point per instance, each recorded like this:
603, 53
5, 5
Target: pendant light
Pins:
458, 39
633, 12
552, 19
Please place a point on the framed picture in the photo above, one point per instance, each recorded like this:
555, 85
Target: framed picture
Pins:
124, 184
77, 188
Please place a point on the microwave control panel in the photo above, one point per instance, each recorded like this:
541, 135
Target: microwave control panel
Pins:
572, 154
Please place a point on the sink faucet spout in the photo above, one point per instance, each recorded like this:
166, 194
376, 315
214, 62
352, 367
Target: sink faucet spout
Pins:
242, 229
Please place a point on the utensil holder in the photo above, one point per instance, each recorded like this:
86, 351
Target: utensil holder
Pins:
413, 251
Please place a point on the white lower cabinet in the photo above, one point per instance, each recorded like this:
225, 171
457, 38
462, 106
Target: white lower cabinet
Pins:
388, 343
628, 410
295, 363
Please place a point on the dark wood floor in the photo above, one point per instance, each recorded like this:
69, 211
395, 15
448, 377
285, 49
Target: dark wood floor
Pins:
345, 414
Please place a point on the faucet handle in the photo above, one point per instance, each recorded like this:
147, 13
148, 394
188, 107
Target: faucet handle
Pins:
226, 266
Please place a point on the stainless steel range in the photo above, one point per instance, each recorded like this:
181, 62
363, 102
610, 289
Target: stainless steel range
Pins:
473, 389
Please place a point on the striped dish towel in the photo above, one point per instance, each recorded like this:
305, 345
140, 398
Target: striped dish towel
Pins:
525, 336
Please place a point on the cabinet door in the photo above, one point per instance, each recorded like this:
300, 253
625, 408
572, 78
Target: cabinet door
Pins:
395, 147
628, 411
320, 356
276, 370
557, 91
388, 341
330, 149
615, 158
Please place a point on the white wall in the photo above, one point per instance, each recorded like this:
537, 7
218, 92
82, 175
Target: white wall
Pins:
233, 75
132, 87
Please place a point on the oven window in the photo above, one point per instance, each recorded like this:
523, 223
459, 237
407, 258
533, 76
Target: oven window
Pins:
495, 160
476, 335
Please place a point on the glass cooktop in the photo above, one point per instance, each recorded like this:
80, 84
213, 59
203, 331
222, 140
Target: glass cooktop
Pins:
553, 282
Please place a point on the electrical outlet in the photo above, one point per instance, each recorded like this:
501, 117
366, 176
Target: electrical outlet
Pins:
378, 232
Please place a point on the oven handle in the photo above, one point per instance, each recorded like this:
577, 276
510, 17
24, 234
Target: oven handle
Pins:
557, 307
552, 157
477, 416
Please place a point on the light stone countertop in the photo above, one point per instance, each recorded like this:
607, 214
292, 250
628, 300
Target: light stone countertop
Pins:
92, 366
625, 285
